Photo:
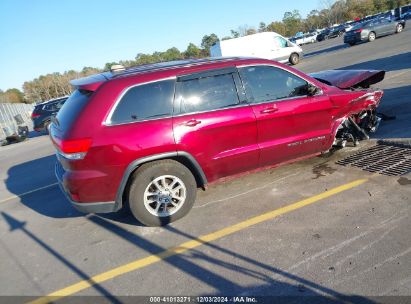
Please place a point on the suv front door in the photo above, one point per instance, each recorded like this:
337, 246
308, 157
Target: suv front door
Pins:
290, 123
214, 124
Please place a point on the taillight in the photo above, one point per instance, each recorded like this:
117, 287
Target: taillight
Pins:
358, 31
74, 148
34, 115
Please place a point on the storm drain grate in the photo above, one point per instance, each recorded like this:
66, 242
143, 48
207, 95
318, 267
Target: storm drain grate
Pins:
382, 158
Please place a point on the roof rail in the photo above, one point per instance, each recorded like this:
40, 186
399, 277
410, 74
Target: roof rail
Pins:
172, 64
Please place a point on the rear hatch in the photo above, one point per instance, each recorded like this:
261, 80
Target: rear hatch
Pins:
68, 113
37, 111
84, 88
63, 125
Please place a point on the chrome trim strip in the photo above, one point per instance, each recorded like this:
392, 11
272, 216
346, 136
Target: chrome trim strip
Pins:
240, 105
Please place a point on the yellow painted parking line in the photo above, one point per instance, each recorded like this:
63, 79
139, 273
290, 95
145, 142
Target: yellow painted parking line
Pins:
141, 263
25, 193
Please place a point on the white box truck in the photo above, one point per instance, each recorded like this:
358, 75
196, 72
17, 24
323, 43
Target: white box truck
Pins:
268, 45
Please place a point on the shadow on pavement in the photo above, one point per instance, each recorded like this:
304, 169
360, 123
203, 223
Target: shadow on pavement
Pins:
15, 224
396, 102
190, 262
327, 50
34, 175
34, 134
392, 63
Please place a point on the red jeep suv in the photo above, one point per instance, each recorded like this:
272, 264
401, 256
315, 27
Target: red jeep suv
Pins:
149, 136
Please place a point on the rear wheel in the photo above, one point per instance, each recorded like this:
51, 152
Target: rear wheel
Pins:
46, 126
351, 43
399, 28
371, 37
294, 58
162, 192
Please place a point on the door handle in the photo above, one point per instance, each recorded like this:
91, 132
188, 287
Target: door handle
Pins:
269, 110
192, 123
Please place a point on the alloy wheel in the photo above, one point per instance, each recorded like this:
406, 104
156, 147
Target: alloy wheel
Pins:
165, 195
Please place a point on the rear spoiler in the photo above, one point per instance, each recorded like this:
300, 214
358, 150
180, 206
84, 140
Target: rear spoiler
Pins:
91, 83
349, 79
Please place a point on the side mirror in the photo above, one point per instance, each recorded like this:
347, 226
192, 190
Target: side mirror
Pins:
312, 90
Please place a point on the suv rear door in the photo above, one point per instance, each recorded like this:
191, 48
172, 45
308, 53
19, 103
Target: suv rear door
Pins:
290, 123
213, 124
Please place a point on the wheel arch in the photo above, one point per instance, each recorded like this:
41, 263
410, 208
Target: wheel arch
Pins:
185, 158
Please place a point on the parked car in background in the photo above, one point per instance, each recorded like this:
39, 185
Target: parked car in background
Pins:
406, 16
268, 45
336, 31
306, 38
43, 113
150, 135
349, 25
323, 35
373, 29
312, 37
332, 32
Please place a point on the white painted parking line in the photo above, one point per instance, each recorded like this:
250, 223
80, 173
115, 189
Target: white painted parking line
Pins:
26, 193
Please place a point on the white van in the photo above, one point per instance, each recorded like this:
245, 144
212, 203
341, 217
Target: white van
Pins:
268, 45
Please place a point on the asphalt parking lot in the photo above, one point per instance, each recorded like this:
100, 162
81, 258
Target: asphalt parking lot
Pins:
311, 228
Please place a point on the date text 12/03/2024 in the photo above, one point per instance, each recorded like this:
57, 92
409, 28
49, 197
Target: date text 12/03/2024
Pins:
203, 299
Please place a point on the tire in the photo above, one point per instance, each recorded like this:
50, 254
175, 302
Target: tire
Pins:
46, 126
371, 37
294, 59
163, 207
399, 28
351, 43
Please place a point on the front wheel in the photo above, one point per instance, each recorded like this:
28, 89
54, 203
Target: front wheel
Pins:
371, 37
294, 59
399, 28
161, 192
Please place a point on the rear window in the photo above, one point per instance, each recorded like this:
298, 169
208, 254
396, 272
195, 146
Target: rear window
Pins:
72, 107
358, 26
143, 102
54, 106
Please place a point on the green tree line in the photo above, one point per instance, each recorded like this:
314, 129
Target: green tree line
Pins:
54, 85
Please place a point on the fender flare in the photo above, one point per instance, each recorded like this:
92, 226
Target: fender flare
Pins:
138, 162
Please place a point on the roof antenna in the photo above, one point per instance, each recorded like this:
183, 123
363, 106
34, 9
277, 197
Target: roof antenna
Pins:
115, 68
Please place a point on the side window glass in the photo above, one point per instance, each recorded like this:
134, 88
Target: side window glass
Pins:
209, 93
280, 42
51, 107
266, 83
147, 101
